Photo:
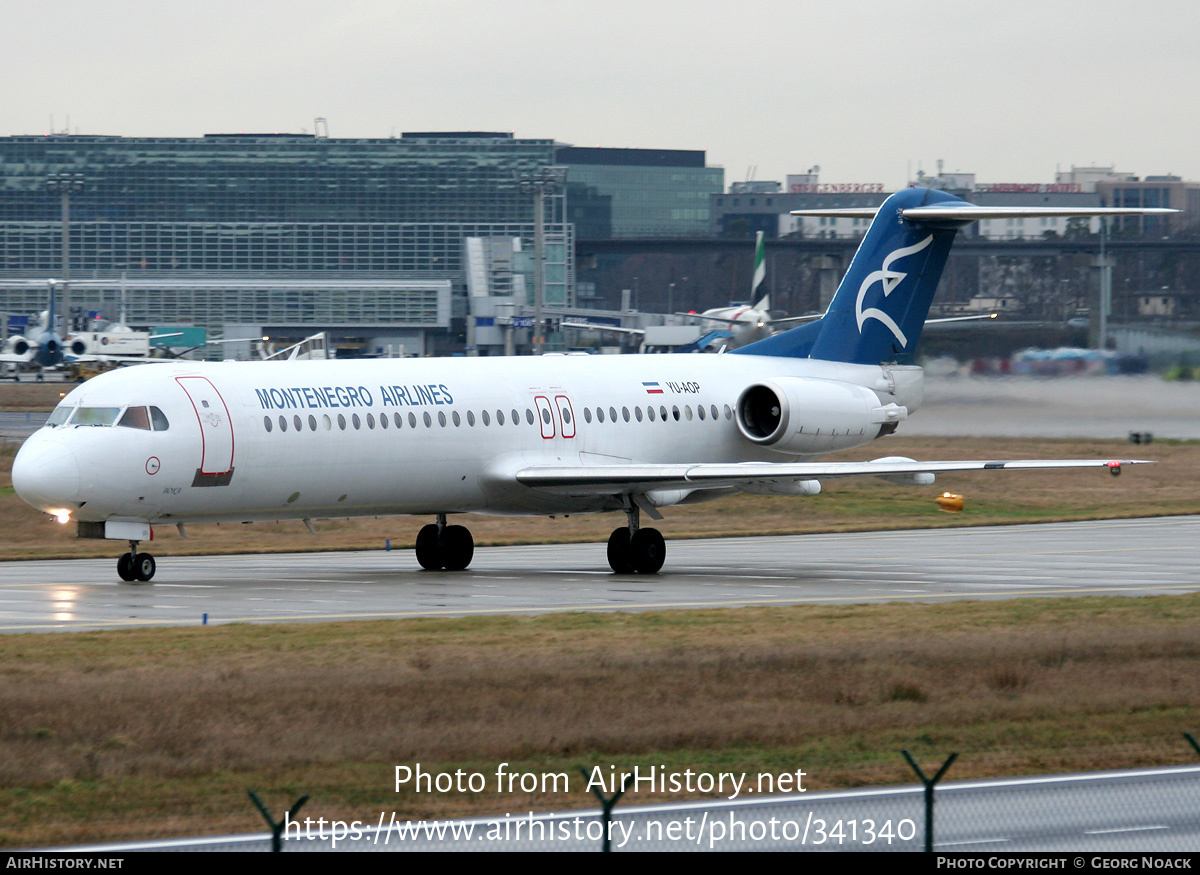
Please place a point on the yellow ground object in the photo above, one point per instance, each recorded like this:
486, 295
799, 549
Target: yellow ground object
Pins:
949, 502
81, 371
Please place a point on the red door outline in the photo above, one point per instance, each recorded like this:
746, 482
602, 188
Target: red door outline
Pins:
216, 432
545, 416
566, 415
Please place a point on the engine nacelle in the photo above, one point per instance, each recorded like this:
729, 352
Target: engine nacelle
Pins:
78, 347
20, 345
803, 415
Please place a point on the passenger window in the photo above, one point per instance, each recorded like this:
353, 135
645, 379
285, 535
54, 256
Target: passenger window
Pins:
428, 420
441, 419
398, 419
675, 412
267, 423
637, 414
299, 425
486, 419
159, 419
412, 420
357, 422
312, 422
587, 414
470, 417
612, 414
600, 414
341, 422
136, 417
500, 417
370, 420
546, 416
457, 419
625, 413
383, 420
528, 415
650, 413
283, 423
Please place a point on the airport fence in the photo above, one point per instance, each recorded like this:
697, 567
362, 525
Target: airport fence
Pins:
1154, 809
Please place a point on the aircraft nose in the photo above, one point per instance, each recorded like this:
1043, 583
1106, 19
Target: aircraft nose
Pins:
46, 475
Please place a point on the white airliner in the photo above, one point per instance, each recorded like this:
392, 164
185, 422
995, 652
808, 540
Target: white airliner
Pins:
746, 322
182, 443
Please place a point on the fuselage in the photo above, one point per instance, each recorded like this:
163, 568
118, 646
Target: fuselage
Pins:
183, 443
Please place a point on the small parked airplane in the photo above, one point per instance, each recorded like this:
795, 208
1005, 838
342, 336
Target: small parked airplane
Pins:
184, 442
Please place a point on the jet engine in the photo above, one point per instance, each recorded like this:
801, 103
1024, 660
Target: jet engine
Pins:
802, 415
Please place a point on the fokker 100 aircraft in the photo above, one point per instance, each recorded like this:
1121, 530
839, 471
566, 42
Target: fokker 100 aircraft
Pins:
183, 443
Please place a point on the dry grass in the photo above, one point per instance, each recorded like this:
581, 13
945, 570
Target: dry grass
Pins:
32, 396
100, 731
1168, 487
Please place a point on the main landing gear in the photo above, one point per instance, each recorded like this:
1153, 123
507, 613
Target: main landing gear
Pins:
134, 565
443, 546
634, 549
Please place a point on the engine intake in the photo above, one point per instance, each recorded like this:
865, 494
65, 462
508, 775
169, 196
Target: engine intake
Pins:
805, 415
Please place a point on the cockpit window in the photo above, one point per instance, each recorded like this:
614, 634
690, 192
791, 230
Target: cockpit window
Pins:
159, 419
95, 416
60, 415
136, 417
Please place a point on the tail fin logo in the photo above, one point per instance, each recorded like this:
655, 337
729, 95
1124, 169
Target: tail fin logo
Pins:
890, 279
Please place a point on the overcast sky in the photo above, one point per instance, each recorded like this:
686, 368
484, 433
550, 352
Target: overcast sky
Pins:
1007, 89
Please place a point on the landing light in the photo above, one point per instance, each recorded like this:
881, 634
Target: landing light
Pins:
62, 516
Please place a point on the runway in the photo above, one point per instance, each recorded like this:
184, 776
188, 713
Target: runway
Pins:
1114, 557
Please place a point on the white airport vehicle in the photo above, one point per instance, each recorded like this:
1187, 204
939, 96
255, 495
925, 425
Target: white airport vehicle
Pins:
184, 442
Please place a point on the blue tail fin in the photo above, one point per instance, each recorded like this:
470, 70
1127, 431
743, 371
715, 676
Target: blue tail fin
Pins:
881, 305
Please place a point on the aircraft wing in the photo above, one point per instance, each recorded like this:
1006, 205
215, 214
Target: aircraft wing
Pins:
589, 326
13, 358
725, 319
632, 479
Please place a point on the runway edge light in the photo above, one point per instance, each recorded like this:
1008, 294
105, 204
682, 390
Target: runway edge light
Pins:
949, 502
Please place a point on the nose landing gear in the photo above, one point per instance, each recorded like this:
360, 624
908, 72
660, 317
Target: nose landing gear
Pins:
442, 546
134, 565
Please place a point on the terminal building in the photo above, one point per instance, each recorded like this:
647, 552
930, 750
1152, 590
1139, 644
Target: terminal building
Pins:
281, 234
625, 193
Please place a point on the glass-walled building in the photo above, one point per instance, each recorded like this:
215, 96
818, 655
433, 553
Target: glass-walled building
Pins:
263, 207
639, 192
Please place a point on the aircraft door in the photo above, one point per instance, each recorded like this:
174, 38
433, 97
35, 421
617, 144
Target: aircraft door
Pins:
545, 416
216, 431
566, 415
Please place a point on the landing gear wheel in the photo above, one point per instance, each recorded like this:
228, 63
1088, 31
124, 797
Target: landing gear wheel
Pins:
125, 567
647, 551
143, 566
456, 547
619, 558
428, 554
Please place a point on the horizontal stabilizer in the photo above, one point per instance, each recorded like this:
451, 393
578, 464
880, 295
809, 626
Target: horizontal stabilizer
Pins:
964, 213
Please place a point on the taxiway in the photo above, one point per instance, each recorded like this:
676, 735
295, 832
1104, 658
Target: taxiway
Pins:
1110, 557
